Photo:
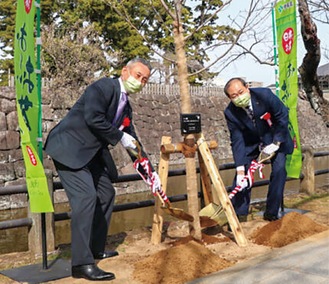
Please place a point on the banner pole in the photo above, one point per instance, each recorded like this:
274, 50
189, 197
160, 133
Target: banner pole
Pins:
39, 138
275, 52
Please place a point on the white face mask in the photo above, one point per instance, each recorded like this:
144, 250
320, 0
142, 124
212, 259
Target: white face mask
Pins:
132, 85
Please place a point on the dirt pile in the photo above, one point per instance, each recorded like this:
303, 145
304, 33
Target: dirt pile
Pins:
179, 258
179, 264
291, 228
189, 259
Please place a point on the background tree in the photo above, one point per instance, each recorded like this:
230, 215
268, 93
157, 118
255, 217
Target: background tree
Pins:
319, 10
73, 64
7, 32
255, 43
308, 68
213, 40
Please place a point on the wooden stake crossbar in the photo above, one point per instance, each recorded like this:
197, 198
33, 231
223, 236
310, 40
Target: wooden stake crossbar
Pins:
210, 178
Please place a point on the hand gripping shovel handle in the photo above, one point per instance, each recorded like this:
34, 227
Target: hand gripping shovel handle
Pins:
250, 175
166, 206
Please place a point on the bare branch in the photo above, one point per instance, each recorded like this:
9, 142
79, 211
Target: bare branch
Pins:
207, 20
249, 23
167, 9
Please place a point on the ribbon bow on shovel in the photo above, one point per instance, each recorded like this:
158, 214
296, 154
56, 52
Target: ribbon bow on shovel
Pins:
250, 176
215, 211
147, 175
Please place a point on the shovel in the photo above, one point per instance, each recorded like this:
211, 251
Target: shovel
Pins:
214, 211
178, 213
166, 205
175, 212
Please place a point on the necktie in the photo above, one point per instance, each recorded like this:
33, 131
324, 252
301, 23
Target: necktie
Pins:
122, 104
251, 114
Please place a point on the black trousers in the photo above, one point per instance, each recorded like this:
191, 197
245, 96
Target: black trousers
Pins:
91, 196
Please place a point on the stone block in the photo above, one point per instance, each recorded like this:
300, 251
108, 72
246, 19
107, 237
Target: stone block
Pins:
4, 202
3, 121
7, 172
9, 140
15, 155
8, 93
19, 168
12, 121
18, 200
47, 112
7, 105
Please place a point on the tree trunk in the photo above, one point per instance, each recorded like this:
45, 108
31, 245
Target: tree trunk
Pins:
189, 140
308, 69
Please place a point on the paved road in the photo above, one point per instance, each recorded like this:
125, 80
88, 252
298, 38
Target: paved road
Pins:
303, 262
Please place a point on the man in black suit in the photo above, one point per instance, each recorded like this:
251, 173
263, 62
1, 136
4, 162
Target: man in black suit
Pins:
78, 146
257, 121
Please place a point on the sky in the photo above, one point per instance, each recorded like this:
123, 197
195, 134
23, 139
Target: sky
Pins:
253, 71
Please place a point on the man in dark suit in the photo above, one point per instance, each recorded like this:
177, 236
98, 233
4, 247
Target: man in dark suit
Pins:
78, 147
257, 121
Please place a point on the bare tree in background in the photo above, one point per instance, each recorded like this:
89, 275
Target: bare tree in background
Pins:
308, 69
254, 43
319, 10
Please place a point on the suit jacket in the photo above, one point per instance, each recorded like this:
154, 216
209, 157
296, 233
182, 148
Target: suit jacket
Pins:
247, 137
87, 128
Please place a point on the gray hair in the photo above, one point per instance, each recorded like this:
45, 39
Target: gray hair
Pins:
140, 60
228, 84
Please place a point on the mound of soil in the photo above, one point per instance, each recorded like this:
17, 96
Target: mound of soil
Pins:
180, 258
291, 228
189, 259
179, 264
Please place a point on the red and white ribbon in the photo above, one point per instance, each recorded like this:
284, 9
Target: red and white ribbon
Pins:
250, 176
148, 176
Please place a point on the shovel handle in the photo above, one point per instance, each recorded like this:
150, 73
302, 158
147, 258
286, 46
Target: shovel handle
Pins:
164, 203
263, 159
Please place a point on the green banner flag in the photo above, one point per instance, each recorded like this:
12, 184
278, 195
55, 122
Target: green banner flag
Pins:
285, 12
28, 105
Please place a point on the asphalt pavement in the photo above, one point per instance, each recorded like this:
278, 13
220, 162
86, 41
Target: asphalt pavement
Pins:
303, 262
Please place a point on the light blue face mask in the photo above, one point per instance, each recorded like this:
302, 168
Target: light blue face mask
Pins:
132, 85
242, 100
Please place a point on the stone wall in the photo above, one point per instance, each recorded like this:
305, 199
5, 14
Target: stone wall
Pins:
156, 114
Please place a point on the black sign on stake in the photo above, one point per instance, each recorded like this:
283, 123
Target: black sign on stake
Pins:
190, 123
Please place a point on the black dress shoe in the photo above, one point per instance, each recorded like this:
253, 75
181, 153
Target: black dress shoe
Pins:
91, 272
105, 254
243, 218
270, 217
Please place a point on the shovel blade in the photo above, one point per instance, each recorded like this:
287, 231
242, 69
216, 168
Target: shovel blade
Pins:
207, 222
178, 213
215, 213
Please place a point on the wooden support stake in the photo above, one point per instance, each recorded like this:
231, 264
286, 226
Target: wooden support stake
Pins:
163, 170
205, 181
219, 188
192, 190
169, 148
